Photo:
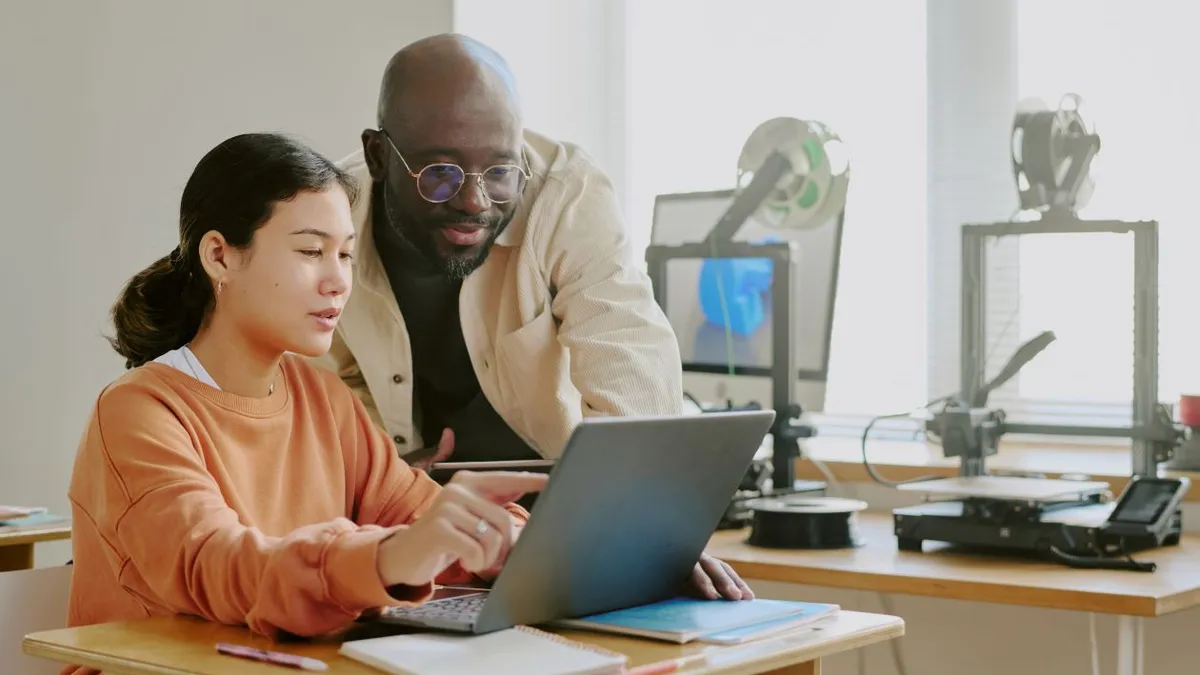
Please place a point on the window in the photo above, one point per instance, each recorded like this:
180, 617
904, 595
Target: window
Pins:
703, 78
1133, 66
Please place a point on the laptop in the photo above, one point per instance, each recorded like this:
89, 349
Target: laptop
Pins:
623, 519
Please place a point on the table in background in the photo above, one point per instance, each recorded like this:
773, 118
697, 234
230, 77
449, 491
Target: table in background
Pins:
942, 571
16, 544
186, 646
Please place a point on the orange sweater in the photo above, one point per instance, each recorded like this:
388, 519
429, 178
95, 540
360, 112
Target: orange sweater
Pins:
264, 512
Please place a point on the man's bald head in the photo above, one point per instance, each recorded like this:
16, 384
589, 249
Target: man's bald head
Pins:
450, 103
425, 73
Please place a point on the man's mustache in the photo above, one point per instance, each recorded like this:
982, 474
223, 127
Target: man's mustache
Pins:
440, 222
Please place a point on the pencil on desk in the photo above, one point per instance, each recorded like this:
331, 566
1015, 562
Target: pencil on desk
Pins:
272, 657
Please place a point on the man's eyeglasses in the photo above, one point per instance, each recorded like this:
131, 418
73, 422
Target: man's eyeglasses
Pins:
439, 182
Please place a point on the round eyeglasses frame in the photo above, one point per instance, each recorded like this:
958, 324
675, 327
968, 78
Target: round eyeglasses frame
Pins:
479, 175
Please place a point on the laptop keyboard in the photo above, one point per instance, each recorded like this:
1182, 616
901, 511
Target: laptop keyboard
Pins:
463, 609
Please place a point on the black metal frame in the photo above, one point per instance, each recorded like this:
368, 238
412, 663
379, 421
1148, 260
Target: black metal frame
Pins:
783, 360
719, 244
1154, 437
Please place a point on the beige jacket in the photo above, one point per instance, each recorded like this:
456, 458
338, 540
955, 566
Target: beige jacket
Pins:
560, 321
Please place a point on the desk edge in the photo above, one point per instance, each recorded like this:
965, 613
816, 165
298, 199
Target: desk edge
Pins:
971, 591
32, 646
34, 536
893, 628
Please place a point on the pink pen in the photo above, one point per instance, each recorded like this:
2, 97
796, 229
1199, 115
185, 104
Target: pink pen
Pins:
276, 658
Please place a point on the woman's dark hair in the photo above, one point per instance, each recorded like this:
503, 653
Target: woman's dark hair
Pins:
232, 190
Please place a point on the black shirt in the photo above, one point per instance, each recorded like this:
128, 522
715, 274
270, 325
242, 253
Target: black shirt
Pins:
446, 391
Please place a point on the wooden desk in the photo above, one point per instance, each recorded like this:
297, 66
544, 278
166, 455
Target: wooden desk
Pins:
16, 544
186, 646
943, 572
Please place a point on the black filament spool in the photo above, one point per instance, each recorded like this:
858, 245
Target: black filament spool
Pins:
800, 522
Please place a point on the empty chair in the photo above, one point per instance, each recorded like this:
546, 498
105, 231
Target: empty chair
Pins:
30, 601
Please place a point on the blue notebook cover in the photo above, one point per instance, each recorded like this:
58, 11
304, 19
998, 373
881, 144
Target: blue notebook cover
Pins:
737, 636
32, 520
685, 619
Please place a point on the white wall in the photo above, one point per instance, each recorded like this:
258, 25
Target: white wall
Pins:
107, 106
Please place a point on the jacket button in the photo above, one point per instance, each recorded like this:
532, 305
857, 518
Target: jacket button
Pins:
397, 378
398, 439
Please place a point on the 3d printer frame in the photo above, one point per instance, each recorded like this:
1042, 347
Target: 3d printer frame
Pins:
1153, 434
783, 358
720, 244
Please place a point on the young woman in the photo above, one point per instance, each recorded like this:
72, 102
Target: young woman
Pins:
224, 476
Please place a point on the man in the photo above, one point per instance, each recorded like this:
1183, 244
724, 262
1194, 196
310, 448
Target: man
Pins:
497, 300
497, 293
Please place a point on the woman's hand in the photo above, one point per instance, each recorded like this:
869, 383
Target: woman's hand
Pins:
466, 523
492, 572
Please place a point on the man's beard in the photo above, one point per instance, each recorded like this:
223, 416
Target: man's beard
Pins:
460, 261
424, 235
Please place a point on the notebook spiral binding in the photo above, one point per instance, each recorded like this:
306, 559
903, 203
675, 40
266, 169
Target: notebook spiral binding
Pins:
571, 643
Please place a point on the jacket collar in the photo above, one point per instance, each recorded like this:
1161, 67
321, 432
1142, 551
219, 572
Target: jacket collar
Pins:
369, 272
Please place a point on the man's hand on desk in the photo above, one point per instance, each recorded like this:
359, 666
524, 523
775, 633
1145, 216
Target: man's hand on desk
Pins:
713, 579
425, 459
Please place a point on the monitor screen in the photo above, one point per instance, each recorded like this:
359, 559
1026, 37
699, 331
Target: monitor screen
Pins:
729, 324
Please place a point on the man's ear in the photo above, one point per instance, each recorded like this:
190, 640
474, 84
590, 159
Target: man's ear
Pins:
375, 153
215, 256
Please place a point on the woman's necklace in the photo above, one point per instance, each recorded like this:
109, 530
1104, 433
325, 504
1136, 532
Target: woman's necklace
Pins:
195, 367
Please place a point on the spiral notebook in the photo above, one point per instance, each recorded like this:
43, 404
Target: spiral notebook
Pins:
521, 650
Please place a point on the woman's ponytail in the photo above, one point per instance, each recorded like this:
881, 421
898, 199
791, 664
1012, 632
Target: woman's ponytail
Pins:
160, 309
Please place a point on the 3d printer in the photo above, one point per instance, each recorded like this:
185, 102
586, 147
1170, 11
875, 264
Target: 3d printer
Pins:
1067, 520
739, 282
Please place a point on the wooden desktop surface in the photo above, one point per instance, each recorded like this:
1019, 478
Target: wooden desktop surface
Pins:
942, 572
16, 544
187, 646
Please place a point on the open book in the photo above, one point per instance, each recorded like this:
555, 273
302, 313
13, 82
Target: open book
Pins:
515, 651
